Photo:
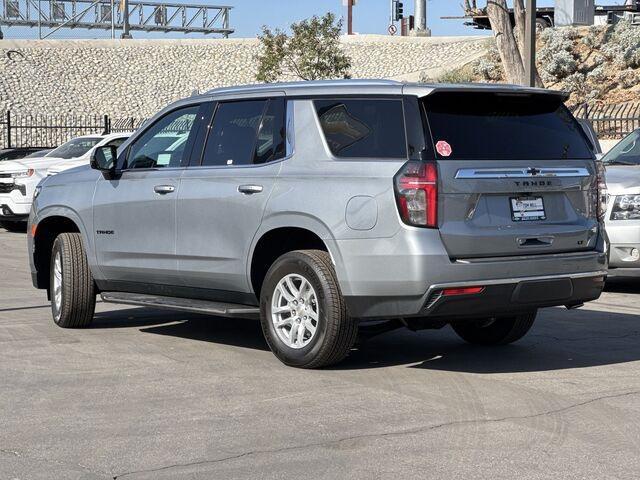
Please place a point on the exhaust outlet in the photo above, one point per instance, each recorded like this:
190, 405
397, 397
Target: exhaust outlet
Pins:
574, 306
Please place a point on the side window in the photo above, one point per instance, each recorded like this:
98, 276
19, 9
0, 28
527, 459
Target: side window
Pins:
164, 143
271, 144
232, 137
358, 128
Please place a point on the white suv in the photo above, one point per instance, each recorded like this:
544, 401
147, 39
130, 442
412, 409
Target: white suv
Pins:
18, 179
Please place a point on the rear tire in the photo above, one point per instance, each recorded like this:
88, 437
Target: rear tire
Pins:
500, 331
316, 331
73, 294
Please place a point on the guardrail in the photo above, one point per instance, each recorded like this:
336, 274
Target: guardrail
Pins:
49, 131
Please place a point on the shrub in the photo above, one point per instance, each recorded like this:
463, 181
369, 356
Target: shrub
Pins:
599, 59
627, 78
559, 66
556, 54
597, 75
487, 69
623, 45
576, 84
592, 38
459, 75
613, 52
557, 40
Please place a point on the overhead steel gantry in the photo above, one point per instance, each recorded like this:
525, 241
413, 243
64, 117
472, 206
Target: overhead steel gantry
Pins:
109, 15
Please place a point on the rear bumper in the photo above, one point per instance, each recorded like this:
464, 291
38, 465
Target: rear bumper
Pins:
395, 277
509, 296
499, 297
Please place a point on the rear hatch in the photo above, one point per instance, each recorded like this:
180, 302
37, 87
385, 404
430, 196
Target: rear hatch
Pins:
516, 174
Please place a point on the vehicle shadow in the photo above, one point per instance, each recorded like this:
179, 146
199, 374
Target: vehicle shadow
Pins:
622, 285
239, 332
133, 317
578, 339
582, 338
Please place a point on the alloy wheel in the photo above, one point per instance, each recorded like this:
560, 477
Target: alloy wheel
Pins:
295, 311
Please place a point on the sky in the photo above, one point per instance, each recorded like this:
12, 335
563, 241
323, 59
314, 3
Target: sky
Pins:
248, 16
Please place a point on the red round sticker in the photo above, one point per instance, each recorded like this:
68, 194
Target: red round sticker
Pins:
443, 148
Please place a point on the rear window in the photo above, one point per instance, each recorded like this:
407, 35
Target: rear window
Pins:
482, 126
363, 128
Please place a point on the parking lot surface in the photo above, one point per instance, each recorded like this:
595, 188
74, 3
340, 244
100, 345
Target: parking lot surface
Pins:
148, 394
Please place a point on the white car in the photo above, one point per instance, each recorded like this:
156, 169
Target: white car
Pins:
623, 215
19, 178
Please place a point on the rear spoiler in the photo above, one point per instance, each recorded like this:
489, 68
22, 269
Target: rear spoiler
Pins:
424, 89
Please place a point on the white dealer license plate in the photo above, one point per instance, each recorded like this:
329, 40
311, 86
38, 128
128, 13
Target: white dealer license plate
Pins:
527, 209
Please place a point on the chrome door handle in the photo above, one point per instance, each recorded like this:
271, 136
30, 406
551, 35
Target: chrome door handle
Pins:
250, 189
164, 189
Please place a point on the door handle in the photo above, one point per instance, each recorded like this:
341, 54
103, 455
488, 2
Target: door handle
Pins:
164, 189
250, 189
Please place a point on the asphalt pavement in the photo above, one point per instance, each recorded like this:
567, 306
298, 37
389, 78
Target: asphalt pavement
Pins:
148, 394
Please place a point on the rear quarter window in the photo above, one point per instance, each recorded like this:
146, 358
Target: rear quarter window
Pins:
363, 128
495, 126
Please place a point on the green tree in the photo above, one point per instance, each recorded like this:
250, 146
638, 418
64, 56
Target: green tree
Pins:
311, 52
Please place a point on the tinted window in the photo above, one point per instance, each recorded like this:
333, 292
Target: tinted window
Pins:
75, 148
271, 143
164, 143
499, 126
232, 138
363, 128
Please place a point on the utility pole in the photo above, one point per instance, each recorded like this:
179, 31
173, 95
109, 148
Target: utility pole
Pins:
420, 12
125, 19
530, 44
350, 4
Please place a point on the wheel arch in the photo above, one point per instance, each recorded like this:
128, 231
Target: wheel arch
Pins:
47, 229
283, 234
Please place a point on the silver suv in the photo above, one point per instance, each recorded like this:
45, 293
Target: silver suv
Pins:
325, 208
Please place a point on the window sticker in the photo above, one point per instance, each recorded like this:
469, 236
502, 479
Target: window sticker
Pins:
443, 148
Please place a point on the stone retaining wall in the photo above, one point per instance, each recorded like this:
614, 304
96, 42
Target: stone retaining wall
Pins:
138, 77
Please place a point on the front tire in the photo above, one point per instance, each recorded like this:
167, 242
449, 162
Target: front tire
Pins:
73, 294
499, 331
303, 315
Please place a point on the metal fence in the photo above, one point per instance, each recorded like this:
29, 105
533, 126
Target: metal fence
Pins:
611, 121
49, 131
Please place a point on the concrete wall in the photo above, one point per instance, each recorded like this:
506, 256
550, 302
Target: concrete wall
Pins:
138, 77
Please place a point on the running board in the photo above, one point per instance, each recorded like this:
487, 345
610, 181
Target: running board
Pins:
220, 309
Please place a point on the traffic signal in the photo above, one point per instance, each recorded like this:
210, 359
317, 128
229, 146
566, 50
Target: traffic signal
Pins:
398, 10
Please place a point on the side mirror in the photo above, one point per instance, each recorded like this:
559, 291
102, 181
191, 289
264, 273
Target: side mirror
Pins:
104, 159
599, 156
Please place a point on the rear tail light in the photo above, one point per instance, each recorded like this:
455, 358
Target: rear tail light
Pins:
416, 187
601, 191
